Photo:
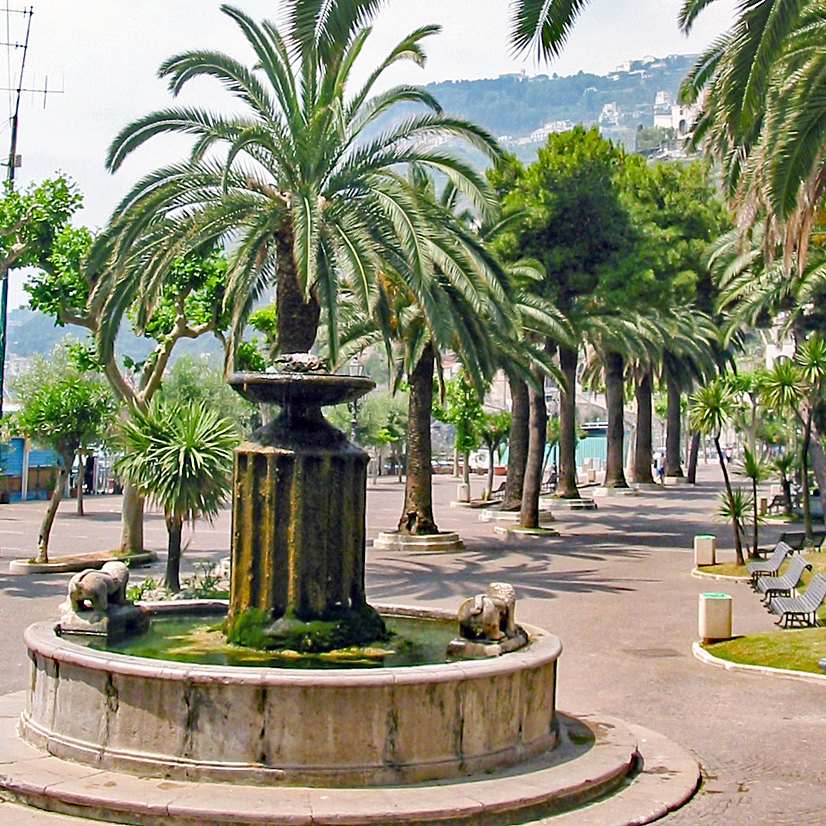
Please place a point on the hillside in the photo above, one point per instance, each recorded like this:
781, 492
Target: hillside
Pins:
31, 333
512, 107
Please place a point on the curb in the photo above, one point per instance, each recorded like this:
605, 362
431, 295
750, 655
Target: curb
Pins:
785, 673
698, 574
78, 562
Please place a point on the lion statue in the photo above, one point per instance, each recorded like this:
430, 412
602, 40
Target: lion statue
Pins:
97, 590
489, 616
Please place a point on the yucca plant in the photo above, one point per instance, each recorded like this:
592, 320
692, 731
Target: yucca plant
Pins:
180, 457
736, 507
711, 407
757, 470
784, 465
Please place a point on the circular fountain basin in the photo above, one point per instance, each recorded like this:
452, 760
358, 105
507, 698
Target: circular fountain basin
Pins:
346, 727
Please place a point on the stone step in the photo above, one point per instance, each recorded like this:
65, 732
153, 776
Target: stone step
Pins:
597, 756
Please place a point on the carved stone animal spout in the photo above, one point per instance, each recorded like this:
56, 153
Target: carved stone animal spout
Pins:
489, 616
97, 590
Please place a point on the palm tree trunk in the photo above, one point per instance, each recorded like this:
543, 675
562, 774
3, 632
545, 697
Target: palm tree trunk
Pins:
491, 448
566, 487
51, 511
692, 457
538, 422
673, 423
417, 515
172, 577
755, 547
786, 484
80, 476
804, 465
517, 444
297, 319
615, 403
738, 547
818, 466
642, 448
131, 537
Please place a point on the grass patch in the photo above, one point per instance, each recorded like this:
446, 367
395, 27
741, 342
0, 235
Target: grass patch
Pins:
815, 559
797, 649
724, 569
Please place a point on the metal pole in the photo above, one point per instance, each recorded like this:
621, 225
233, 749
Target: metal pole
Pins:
4, 293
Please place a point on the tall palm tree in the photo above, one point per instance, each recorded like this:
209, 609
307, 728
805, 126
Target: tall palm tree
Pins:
180, 456
304, 182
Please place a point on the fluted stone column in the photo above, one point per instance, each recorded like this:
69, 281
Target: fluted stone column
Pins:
298, 536
298, 511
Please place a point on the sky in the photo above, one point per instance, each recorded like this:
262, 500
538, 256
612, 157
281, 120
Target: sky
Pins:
99, 60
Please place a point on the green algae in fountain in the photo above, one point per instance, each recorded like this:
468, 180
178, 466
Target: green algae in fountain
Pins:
408, 642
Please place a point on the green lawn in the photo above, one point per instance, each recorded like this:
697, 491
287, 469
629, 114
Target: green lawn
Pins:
797, 649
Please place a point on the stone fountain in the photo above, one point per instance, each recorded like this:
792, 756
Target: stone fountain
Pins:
298, 563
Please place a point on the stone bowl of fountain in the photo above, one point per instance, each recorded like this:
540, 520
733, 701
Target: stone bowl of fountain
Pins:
297, 566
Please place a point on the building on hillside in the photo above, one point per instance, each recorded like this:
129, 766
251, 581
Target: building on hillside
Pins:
609, 115
677, 116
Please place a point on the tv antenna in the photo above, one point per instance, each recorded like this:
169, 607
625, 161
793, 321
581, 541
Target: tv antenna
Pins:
14, 160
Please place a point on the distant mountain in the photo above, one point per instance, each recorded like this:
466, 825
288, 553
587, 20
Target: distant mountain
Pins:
32, 333
512, 107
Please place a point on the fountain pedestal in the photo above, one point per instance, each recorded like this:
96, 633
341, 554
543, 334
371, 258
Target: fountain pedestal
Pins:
298, 535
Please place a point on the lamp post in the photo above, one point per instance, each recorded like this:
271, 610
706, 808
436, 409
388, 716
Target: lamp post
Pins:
355, 368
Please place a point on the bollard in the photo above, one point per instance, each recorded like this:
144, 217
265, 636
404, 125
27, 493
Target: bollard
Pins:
715, 617
463, 493
705, 550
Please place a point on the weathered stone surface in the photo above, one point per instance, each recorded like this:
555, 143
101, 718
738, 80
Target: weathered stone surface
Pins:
275, 725
299, 499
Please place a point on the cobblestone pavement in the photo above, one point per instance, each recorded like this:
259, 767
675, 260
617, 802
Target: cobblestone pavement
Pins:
615, 587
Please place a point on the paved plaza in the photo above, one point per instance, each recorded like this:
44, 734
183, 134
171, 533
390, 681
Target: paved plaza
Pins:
615, 587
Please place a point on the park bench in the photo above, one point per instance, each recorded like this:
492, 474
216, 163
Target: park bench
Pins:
498, 495
796, 540
802, 609
771, 566
778, 504
782, 586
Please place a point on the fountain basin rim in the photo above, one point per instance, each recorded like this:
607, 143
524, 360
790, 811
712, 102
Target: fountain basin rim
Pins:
43, 638
302, 388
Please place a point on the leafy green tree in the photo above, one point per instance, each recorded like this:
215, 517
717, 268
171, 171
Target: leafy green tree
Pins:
462, 408
65, 408
180, 456
784, 465
69, 286
494, 429
573, 224
192, 380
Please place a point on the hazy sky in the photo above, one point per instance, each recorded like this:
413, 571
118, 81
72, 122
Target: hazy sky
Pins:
104, 54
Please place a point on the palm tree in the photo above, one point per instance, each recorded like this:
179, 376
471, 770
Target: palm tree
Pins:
798, 387
711, 407
295, 182
180, 457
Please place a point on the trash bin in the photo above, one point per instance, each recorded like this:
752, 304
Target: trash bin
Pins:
705, 550
715, 617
